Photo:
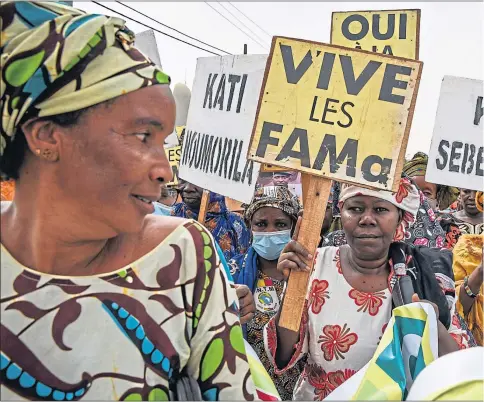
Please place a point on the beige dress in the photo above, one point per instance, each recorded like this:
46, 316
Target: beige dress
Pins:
126, 335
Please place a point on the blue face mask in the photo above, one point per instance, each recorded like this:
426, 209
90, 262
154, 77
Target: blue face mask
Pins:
269, 245
161, 209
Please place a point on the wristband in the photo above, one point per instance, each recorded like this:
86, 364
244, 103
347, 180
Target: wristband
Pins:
468, 290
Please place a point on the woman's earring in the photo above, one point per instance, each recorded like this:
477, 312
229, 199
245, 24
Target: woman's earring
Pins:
51, 156
37, 151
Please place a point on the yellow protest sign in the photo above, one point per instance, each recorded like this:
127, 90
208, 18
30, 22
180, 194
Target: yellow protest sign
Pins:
179, 132
393, 32
334, 112
173, 155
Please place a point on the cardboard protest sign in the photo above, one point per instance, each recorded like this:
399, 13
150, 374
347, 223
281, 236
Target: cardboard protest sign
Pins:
335, 112
180, 132
393, 32
456, 156
173, 155
220, 119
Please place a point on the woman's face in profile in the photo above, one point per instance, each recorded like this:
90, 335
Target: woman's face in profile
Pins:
113, 164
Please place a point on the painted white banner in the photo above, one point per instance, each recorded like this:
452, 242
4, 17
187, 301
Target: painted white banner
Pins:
225, 94
456, 155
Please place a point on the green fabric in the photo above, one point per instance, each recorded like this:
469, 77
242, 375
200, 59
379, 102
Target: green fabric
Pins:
417, 166
57, 59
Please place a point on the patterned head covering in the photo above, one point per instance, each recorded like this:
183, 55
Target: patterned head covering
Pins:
407, 199
417, 166
274, 196
57, 59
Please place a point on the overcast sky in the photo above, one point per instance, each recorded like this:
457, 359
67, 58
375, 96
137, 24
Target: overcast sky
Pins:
451, 39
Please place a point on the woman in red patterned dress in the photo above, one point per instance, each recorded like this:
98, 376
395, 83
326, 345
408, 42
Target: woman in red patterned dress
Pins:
349, 301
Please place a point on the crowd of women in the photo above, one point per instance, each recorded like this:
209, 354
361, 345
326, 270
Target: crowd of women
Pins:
103, 298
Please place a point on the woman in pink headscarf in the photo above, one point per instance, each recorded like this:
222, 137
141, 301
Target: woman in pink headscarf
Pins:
354, 288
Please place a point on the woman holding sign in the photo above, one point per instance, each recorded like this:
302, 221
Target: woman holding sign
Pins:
100, 299
272, 217
352, 287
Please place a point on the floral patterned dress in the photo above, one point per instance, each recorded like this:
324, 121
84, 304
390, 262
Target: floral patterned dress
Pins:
340, 329
126, 335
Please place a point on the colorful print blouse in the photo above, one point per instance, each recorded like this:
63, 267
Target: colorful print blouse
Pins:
340, 329
127, 335
268, 296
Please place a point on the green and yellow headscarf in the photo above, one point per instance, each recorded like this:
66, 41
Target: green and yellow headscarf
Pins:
57, 59
417, 166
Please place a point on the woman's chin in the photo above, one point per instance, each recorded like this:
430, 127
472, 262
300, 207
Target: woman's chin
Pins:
367, 249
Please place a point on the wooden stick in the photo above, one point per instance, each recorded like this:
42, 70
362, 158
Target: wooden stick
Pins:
305, 178
203, 206
318, 192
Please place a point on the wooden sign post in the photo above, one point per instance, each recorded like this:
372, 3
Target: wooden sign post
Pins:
316, 198
204, 206
336, 114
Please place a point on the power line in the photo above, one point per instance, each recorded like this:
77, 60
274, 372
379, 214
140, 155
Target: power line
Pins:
245, 33
154, 29
257, 25
167, 26
233, 15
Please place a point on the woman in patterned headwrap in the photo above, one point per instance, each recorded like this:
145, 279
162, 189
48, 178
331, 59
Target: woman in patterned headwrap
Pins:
271, 216
427, 229
100, 299
439, 197
353, 289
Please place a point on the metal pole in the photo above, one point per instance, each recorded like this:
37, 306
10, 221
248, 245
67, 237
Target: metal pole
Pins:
245, 48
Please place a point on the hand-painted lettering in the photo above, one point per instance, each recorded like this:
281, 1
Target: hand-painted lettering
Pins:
479, 111
361, 31
385, 166
470, 163
354, 85
390, 82
293, 74
219, 101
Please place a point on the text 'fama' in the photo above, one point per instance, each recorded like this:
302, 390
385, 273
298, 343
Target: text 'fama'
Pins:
219, 156
297, 147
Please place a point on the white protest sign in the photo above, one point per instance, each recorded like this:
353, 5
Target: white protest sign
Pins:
456, 155
223, 104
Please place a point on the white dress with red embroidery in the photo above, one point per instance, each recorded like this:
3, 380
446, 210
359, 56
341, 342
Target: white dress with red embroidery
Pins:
340, 329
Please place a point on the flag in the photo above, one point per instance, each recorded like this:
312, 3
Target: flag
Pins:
409, 344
